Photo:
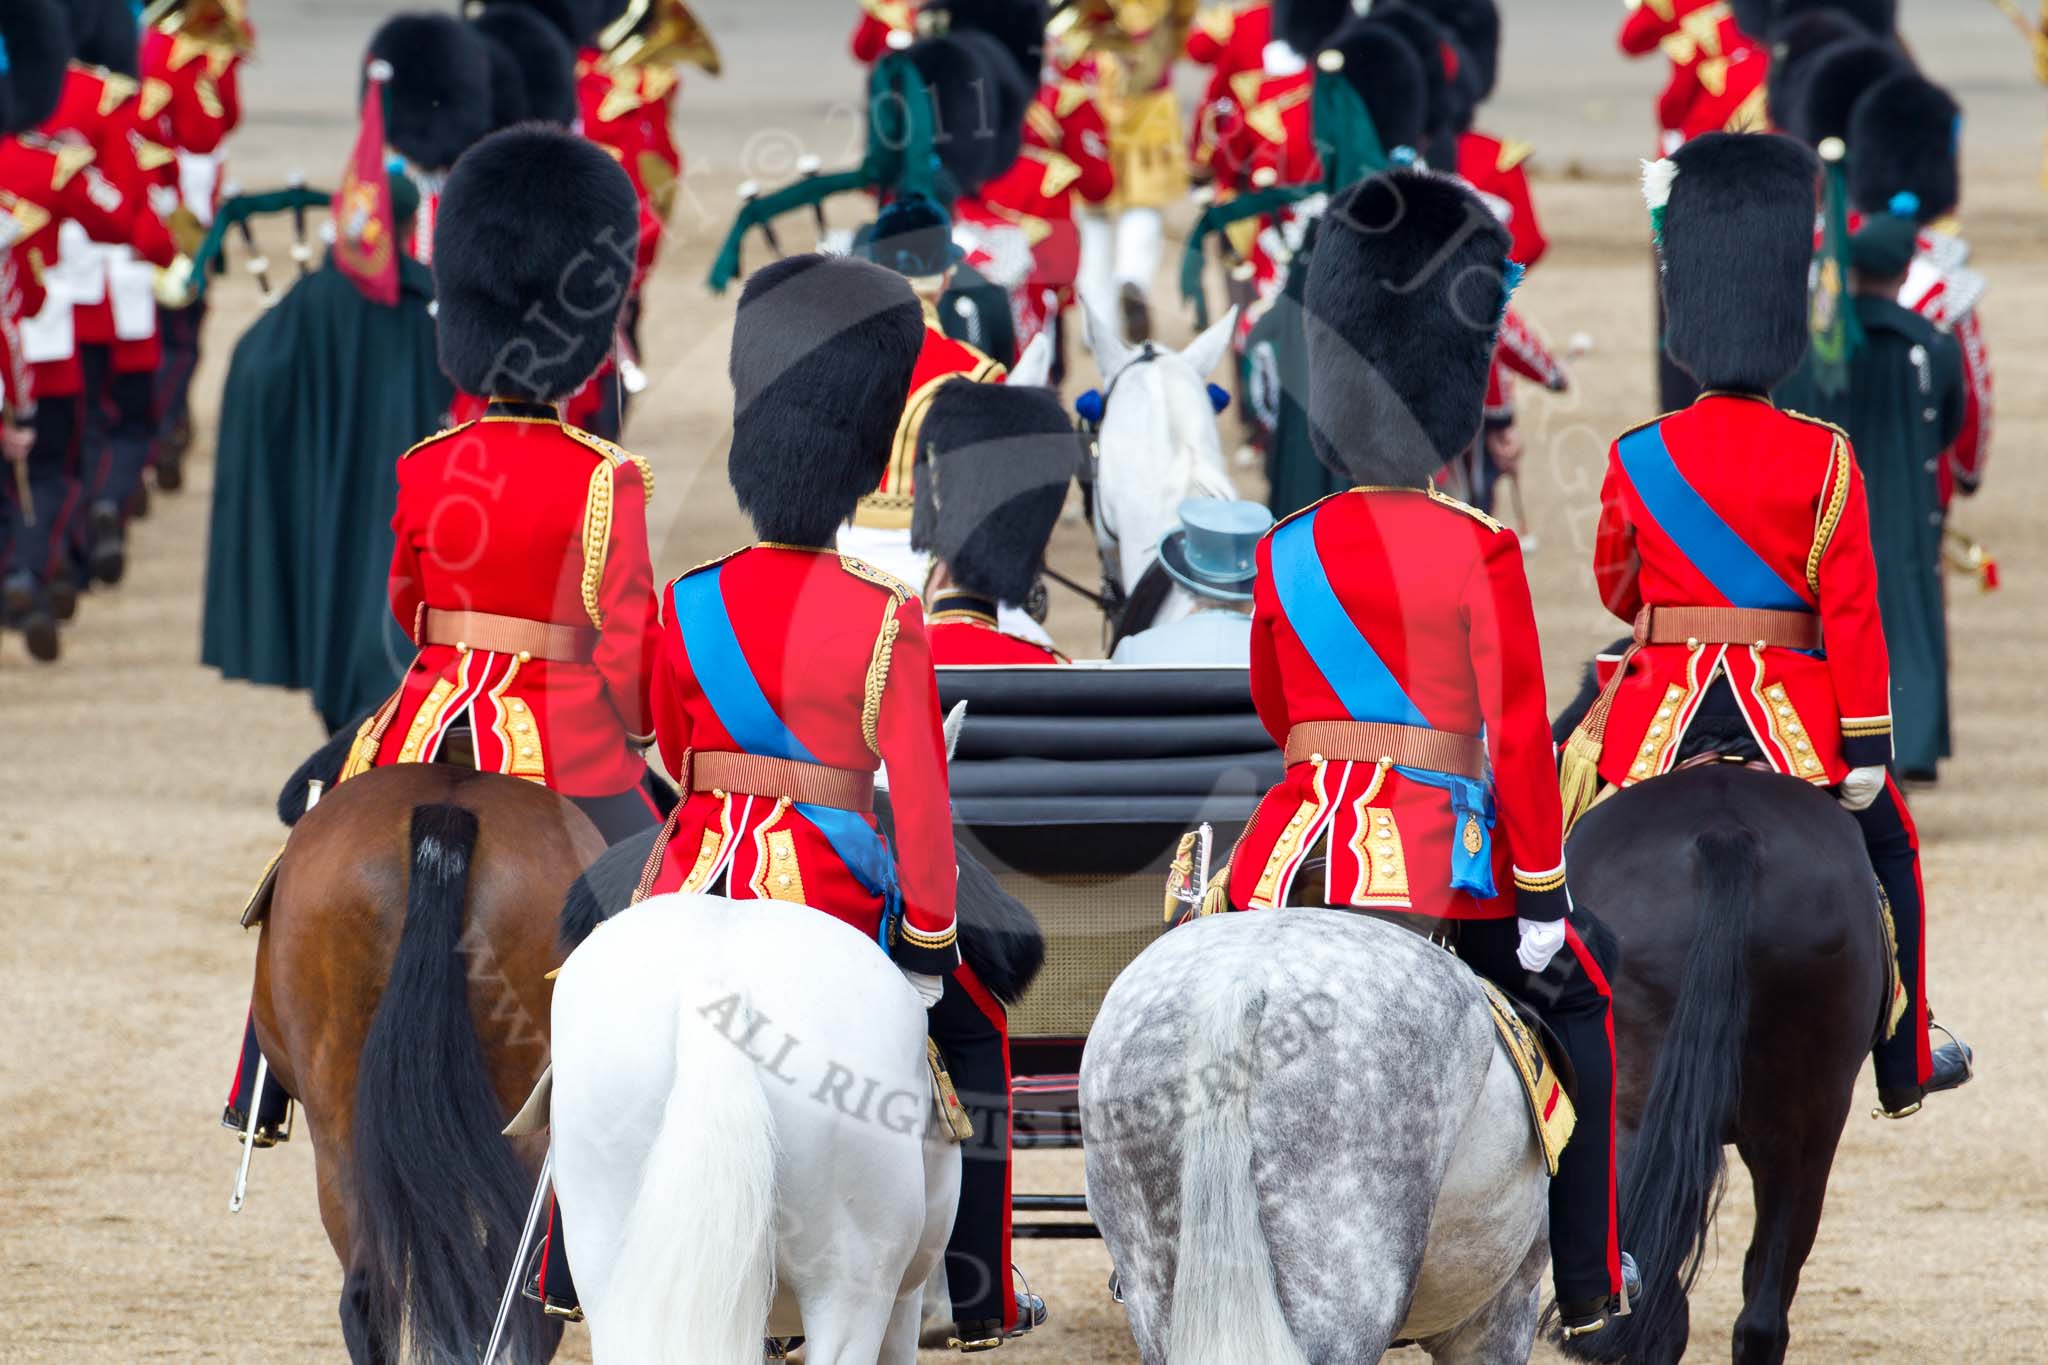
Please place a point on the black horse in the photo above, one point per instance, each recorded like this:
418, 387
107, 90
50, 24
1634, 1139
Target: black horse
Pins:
1755, 977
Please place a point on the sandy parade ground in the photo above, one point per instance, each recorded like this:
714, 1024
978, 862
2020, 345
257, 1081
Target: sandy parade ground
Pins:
136, 787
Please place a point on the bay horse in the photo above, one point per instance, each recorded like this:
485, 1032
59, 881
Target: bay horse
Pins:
1753, 982
401, 997
1304, 1143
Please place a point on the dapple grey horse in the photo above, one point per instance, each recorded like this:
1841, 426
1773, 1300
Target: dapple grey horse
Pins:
1304, 1143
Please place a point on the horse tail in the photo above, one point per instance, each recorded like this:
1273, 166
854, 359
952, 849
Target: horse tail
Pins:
695, 1271
1672, 1186
1226, 1301
439, 1196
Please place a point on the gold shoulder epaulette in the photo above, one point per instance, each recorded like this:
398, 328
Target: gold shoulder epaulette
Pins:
710, 563
440, 435
1513, 152
1303, 511
889, 583
1651, 422
1815, 422
1439, 496
614, 454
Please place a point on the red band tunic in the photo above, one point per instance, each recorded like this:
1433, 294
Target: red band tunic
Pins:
839, 652
1789, 488
518, 515
1438, 590
963, 630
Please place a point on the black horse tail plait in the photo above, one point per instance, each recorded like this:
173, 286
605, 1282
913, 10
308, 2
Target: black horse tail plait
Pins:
439, 1196
1671, 1186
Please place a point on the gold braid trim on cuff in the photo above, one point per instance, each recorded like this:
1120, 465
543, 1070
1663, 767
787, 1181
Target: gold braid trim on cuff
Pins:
915, 939
1552, 882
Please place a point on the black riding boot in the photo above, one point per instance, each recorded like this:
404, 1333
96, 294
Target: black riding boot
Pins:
969, 1026
273, 1105
550, 1284
1908, 1067
1573, 997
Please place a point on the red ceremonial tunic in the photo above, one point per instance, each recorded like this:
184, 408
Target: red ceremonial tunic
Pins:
628, 112
1438, 591
1788, 487
190, 94
1717, 70
518, 515
879, 19
1495, 168
839, 653
1230, 40
963, 630
939, 359
114, 293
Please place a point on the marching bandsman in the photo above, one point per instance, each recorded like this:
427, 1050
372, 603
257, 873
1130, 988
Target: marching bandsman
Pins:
874, 33
787, 674
437, 104
994, 462
68, 206
521, 567
1230, 39
192, 52
912, 237
1394, 657
1124, 51
1716, 80
1735, 538
1904, 140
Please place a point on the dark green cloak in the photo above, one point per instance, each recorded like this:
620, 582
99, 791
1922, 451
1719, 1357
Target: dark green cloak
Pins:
324, 393
1276, 388
1902, 409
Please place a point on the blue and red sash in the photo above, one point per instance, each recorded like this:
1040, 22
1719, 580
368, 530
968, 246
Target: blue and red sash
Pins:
1710, 544
743, 709
1368, 689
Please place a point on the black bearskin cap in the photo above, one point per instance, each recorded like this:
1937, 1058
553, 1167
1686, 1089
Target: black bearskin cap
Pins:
105, 33
1306, 25
1428, 40
577, 21
438, 100
1834, 79
1903, 137
534, 245
1406, 287
38, 40
1753, 17
1735, 248
533, 68
823, 348
979, 98
1875, 18
1381, 66
1793, 41
1476, 26
1019, 25
993, 467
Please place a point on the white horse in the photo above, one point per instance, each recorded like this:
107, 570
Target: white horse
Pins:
1304, 1143
744, 1137
1157, 446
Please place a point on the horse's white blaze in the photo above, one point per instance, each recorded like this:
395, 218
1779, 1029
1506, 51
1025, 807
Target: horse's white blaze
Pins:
1158, 445
741, 1121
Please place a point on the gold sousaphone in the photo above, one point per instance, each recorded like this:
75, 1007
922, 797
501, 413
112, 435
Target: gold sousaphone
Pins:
210, 23
657, 33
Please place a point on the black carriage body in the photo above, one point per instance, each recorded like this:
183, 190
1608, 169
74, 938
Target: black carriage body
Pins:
1074, 786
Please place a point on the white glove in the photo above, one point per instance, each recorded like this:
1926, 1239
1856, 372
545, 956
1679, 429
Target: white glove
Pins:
928, 988
1861, 787
1541, 938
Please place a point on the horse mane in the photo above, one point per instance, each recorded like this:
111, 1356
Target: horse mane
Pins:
999, 937
1142, 606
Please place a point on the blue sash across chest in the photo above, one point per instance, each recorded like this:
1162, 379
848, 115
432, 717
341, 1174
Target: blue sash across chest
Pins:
744, 711
1708, 543
1368, 689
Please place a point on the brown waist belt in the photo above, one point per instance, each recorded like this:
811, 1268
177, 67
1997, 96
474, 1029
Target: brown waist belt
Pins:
1695, 626
810, 784
1371, 741
508, 635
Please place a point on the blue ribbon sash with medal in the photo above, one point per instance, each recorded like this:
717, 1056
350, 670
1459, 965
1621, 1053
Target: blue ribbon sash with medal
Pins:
1370, 692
